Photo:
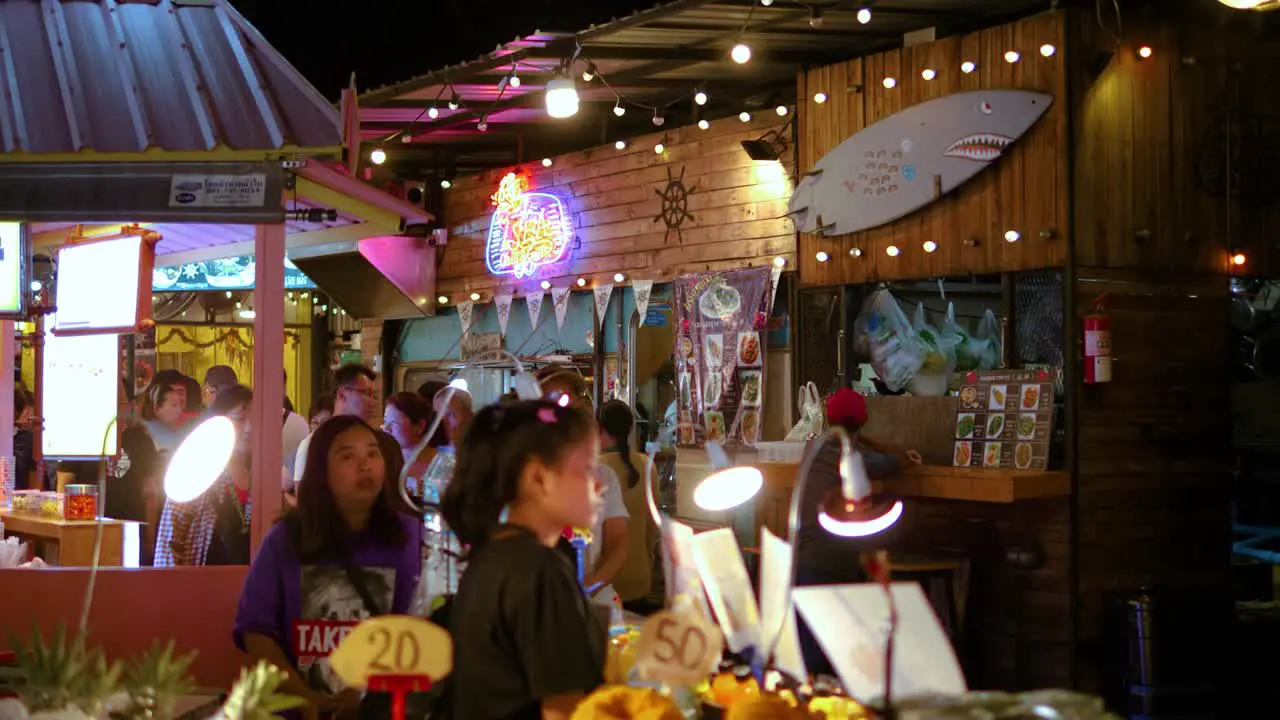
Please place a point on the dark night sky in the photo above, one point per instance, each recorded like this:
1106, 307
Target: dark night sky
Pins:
385, 41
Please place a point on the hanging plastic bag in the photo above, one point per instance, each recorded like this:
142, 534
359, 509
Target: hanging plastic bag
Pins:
813, 417
969, 350
896, 351
989, 330
939, 358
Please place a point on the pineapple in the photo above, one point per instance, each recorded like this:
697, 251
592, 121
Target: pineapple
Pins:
254, 696
63, 678
155, 682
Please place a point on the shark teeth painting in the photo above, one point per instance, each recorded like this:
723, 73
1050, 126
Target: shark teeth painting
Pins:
908, 160
980, 147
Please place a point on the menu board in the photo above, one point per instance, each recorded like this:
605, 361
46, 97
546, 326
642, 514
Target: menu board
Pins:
719, 356
1004, 419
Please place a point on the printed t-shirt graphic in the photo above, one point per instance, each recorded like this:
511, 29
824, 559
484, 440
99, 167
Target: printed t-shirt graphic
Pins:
331, 607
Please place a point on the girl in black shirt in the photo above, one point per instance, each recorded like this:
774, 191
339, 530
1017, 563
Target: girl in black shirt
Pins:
526, 645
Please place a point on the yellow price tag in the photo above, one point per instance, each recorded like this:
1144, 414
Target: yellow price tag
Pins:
678, 648
393, 645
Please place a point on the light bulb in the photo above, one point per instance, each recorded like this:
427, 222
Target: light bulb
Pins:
820, 97
229, 294
619, 277
1239, 259
618, 109
582, 282
779, 261
443, 300
406, 138
1048, 50
967, 67
454, 101
433, 113
744, 116
928, 73
475, 296
378, 156
36, 286
1011, 236
740, 53
562, 98
930, 246
446, 184
766, 3
700, 98
545, 284
1144, 52
588, 76
515, 81
659, 149
1012, 56
483, 125
658, 120
892, 251
822, 256
855, 252
781, 110
621, 145
546, 162
704, 125
889, 83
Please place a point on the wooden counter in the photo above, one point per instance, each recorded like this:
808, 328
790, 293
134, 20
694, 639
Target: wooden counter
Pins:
73, 538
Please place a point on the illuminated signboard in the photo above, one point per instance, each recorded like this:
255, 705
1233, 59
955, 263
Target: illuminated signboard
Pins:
528, 229
15, 262
236, 273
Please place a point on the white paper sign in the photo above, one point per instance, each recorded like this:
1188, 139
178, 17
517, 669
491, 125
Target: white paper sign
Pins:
724, 575
502, 302
603, 292
641, 289
218, 191
851, 623
465, 309
533, 303
776, 617
681, 574
560, 299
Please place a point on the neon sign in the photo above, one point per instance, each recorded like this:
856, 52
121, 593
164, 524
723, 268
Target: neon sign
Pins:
528, 229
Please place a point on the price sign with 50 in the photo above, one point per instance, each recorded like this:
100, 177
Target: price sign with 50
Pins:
679, 648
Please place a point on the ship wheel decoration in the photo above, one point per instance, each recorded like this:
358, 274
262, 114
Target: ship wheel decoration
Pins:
675, 205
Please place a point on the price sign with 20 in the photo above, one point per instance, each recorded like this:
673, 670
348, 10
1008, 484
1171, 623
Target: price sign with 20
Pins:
396, 645
678, 648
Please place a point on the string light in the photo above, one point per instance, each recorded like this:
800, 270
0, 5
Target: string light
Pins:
378, 156
659, 149
446, 184
454, 101
864, 15
432, 112
546, 162
658, 120
766, 3
822, 256
442, 300
741, 54
621, 145
515, 79
892, 251
704, 124
744, 116
475, 296
820, 97
1145, 52
1239, 259
700, 98
590, 73
781, 110
779, 261
562, 98
967, 67
619, 277
1011, 236
889, 83
928, 73
545, 284
1012, 57
930, 246
1048, 50
483, 125
618, 110
582, 282
855, 252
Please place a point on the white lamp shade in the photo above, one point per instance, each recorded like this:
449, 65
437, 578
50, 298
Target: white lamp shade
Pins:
200, 459
861, 528
729, 488
459, 383
562, 98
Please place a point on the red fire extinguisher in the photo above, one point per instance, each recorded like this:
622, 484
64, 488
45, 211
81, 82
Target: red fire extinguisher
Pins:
1097, 344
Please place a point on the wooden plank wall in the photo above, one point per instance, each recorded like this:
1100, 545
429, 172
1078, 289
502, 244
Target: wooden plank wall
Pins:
1024, 191
1154, 463
737, 206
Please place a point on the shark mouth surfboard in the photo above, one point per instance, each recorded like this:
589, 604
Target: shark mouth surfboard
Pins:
907, 160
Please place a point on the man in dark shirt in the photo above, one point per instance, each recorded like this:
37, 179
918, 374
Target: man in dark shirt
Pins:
826, 559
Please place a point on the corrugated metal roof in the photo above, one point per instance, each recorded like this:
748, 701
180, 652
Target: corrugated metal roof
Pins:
131, 76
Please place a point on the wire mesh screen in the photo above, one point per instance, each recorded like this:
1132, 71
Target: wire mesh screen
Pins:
1038, 327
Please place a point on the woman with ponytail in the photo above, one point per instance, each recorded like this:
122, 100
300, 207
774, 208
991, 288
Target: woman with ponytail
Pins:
633, 582
525, 643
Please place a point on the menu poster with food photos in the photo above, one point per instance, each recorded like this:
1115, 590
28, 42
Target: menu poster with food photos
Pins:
721, 321
1004, 419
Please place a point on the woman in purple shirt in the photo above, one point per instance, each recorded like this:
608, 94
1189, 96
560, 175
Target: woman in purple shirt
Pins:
343, 554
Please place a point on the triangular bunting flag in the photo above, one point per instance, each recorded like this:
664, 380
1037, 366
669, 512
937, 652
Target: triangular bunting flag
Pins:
774, 277
464, 314
502, 302
533, 301
603, 292
641, 290
560, 299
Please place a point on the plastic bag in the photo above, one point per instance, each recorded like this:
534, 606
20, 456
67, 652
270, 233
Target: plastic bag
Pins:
940, 355
970, 351
812, 415
989, 330
896, 351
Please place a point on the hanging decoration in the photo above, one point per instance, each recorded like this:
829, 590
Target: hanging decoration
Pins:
560, 299
603, 292
533, 302
774, 278
465, 309
641, 289
675, 205
528, 229
502, 301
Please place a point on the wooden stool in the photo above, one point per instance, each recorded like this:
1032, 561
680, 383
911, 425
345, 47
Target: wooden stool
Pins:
945, 580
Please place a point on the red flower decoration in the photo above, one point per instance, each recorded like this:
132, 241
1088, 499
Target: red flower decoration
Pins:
761, 321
